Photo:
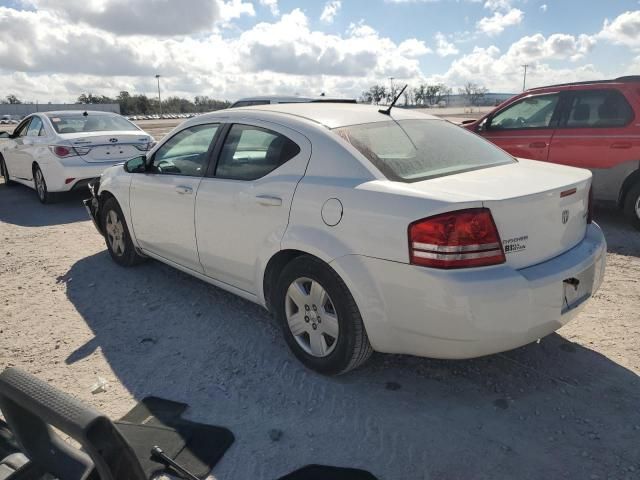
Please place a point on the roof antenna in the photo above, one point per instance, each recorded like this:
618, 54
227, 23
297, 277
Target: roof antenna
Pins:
387, 111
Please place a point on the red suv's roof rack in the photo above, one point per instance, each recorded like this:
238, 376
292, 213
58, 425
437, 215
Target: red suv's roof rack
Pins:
628, 78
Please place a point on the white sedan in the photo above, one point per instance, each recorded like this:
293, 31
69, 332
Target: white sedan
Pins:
61, 151
362, 230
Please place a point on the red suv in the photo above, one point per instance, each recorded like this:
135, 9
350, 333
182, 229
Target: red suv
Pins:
594, 125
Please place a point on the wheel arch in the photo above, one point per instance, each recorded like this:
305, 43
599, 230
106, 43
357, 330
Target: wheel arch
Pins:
274, 267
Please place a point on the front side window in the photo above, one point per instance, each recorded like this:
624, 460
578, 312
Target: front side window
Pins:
75, 123
186, 153
599, 108
35, 127
250, 153
414, 150
530, 112
21, 130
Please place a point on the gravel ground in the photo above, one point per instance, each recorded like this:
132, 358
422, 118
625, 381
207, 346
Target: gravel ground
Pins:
564, 408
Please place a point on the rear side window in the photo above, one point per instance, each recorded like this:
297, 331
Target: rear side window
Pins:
414, 150
90, 123
529, 112
251, 152
598, 108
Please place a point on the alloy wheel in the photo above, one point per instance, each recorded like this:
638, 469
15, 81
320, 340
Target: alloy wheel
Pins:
115, 233
638, 207
40, 185
312, 317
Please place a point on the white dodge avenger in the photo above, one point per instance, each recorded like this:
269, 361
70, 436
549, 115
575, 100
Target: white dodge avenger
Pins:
361, 229
56, 152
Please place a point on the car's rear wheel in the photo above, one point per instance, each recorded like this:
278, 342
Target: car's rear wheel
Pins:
632, 206
319, 317
117, 237
44, 195
5, 172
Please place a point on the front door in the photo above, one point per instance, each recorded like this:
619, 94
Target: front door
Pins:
242, 207
17, 153
525, 128
163, 198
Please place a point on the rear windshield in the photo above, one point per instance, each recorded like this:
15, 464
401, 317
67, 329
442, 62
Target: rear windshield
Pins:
90, 123
413, 150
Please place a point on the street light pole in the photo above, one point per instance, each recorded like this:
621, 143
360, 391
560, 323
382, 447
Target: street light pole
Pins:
159, 99
391, 95
524, 80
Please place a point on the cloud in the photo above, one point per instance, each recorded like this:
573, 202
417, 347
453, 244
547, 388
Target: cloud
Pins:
543, 7
497, 23
444, 48
330, 10
623, 30
272, 5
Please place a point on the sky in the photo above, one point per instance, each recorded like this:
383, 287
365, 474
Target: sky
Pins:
54, 50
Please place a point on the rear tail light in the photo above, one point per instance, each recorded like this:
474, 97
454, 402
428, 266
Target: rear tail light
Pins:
590, 206
64, 151
460, 239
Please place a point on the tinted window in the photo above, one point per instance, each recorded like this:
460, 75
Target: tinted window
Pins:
413, 150
599, 108
35, 127
185, 153
530, 112
252, 152
250, 103
90, 123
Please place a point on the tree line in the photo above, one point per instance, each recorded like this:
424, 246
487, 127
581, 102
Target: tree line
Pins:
143, 105
425, 95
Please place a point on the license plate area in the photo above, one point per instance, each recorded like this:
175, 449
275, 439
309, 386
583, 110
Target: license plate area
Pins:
577, 289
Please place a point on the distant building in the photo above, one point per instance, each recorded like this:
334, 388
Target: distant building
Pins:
20, 110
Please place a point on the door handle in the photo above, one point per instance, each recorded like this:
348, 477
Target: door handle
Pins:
621, 145
269, 200
182, 190
538, 145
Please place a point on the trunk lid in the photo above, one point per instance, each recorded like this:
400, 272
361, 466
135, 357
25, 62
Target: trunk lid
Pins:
100, 147
540, 209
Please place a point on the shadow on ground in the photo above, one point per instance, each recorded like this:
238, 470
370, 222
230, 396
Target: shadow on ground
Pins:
621, 237
548, 410
19, 205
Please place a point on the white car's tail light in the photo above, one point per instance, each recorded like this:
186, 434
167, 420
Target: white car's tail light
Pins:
64, 151
459, 239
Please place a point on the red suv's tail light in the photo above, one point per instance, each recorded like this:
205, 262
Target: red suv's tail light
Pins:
460, 239
590, 206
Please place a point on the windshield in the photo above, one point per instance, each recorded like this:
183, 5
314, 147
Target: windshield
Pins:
413, 150
90, 123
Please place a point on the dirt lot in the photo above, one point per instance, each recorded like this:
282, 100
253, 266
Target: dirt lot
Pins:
564, 408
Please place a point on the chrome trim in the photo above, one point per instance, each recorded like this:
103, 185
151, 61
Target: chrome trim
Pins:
454, 249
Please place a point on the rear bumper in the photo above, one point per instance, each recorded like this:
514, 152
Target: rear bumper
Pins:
57, 173
469, 313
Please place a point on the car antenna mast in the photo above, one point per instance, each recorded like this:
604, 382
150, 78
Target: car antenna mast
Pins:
387, 111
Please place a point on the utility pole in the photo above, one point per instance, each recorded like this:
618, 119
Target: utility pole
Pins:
524, 81
159, 99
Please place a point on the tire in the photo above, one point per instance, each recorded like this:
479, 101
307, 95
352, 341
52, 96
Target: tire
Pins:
320, 346
5, 173
631, 206
117, 237
40, 184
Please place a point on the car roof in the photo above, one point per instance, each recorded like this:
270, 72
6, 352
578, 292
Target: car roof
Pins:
627, 79
331, 115
61, 113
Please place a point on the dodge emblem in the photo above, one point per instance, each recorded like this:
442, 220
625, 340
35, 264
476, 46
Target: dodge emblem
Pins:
565, 216
113, 140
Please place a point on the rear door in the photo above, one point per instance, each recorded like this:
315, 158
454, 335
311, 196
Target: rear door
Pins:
242, 207
525, 128
594, 133
163, 198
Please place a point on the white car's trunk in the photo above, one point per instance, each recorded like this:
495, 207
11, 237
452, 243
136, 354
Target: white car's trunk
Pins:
108, 146
540, 209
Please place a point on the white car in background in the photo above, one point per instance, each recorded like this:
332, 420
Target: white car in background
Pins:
361, 229
61, 151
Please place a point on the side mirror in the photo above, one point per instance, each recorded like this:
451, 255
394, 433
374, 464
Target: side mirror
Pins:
136, 164
5, 135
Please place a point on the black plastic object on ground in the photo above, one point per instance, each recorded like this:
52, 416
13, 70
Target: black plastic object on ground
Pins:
320, 472
155, 421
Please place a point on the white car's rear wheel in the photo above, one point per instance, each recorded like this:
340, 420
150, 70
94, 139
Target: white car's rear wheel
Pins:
41, 186
320, 319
